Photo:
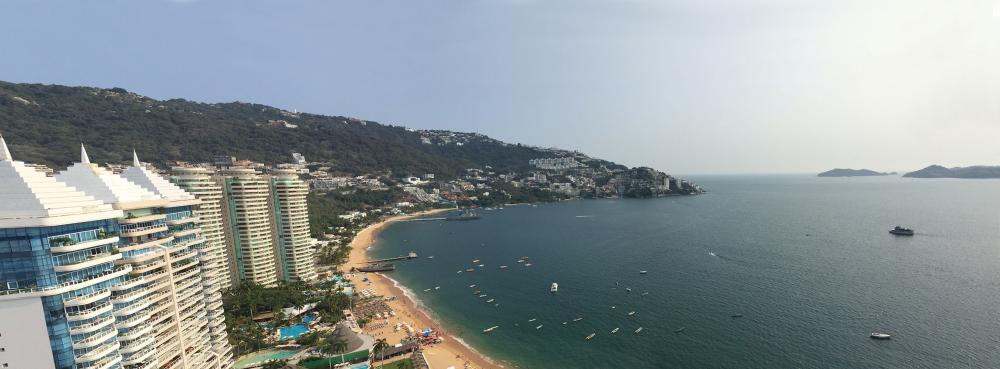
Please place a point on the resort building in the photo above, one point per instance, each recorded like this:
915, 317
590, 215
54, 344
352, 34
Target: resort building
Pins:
58, 254
246, 210
163, 311
291, 220
198, 182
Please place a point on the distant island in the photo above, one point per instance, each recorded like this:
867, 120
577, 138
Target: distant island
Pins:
851, 173
937, 171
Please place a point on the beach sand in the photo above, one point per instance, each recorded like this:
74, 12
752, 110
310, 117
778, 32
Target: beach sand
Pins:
450, 353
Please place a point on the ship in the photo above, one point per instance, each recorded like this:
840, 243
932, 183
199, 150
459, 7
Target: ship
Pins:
464, 215
900, 231
554, 288
385, 267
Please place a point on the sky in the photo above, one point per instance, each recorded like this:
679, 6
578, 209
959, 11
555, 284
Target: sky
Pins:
685, 86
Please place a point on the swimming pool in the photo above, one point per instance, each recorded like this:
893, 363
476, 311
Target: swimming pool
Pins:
263, 357
295, 330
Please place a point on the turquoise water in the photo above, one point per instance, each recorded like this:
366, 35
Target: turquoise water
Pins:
807, 261
262, 357
295, 330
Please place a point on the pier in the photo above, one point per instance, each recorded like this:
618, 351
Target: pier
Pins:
411, 255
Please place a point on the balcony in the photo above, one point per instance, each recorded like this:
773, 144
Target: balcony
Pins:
133, 321
73, 264
86, 299
134, 334
142, 219
95, 340
92, 326
130, 296
105, 363
76, 246
139, 357
98, 352
147, 243
136, 345
143, 230
89, 313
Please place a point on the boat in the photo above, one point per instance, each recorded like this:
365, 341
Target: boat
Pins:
628, 290
631, 313
458, 272
613, 331
472, 286
483, 295
503, 267
679, 330
637, 331
880, 336
430, 257
520, 261
645, 293
470, 270
538, 327
427, 290
465, 215
577, 319
554, 288
476, 292
736, 315
590, 336
490, 329
475, 261
900, 231
481, 265
531, 320
642, 272
564, 323
490, 300
527, 265
437, 287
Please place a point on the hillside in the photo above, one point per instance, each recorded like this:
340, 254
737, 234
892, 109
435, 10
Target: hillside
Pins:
44, 124
851, 173
937, 171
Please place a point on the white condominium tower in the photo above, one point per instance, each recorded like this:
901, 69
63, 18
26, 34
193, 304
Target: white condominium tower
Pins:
165, 313
247, 215
198, 182
291, 220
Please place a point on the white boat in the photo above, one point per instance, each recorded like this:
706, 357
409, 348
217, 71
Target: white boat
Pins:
427, 290
645, 293
631, 313
577, 320
481, 265
472, 286
458, 272
591, 336
642, 272
538, 327
475, 261
637, 331
880, 336
554, 288
503, 267
490, 329
437, 287
430, 257
483, 295
531, 320
490, 300
613, 331
520, 261
527, 265
629, 290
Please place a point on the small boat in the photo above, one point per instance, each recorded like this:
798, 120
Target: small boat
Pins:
531, 320
637, 331
645, 293
472, 286
590, 336
642, 272
554, 287
631, 313
483, 295
614, 307
629, 290
900, 231
524, 257
503, 267
880, 336
476, 292
490, 329
577, 320
437, 287
679, 330
736, 316
458, 272
430, 257
613, 331
470, 270
564, 323
481, 265
527, 265
427, 290
490, 300
475, 261
538, 327
520, 261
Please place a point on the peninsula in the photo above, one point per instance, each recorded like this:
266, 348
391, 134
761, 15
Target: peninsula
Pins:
851, 173
973, 172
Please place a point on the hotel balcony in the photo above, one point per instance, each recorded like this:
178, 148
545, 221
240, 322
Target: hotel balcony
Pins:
105, 363
142, 219
95, 340
134, 334
72, 262
142, 230
96, 325
84, 245
89, 313
133, 308
147, 243
131, 296
87, 299
139, 356
133, 321
136, 345
98, 354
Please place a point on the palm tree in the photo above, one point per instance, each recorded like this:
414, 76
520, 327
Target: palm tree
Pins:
325, 346
380, 345
340, 345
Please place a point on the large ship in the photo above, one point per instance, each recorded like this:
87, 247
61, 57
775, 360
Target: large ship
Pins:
464, 215
900, 231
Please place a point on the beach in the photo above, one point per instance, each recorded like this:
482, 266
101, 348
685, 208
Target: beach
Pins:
449, 354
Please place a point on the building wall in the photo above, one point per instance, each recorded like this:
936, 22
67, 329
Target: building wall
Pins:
23, 335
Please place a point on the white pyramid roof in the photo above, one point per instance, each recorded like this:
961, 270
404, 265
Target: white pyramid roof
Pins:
107, 186
31, 199
153, 182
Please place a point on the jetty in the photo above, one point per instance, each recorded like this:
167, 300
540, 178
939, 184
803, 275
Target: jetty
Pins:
386, 267
411, 255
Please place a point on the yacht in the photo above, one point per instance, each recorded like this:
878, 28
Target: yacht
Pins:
591, 336
577, 320
538, 327
527, 264
531, 320
613, 331
503, 267
900, 231
637, 331
880, 336
490, 300
631, 313
642, 272
628, 289
490, 329
554, 288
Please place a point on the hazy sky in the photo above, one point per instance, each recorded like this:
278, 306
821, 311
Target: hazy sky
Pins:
694, 86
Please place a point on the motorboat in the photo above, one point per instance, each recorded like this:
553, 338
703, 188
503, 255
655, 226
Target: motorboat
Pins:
880, 336
900, 231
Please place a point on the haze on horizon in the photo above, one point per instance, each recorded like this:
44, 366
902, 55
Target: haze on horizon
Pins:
693, 86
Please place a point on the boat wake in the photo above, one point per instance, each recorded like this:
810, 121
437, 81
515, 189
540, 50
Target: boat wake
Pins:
712, 254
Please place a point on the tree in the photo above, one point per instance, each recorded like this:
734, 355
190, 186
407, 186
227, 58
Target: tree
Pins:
275, 364
380, 345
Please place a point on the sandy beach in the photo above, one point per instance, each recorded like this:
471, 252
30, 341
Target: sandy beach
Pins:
449, 354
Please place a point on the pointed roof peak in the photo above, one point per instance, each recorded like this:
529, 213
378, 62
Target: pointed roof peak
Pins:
135, 159
4, 153
83, 154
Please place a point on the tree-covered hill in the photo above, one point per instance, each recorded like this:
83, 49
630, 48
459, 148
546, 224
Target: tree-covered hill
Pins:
45, 124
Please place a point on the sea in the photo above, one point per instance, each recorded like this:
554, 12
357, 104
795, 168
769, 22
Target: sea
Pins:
763, 271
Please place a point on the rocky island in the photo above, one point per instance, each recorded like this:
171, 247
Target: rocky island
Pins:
851, 173
937, 171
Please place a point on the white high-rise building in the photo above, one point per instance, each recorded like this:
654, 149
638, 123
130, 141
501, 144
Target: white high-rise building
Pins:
247, 203
296, 251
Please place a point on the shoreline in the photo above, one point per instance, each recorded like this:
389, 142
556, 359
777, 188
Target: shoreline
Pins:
453, 352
